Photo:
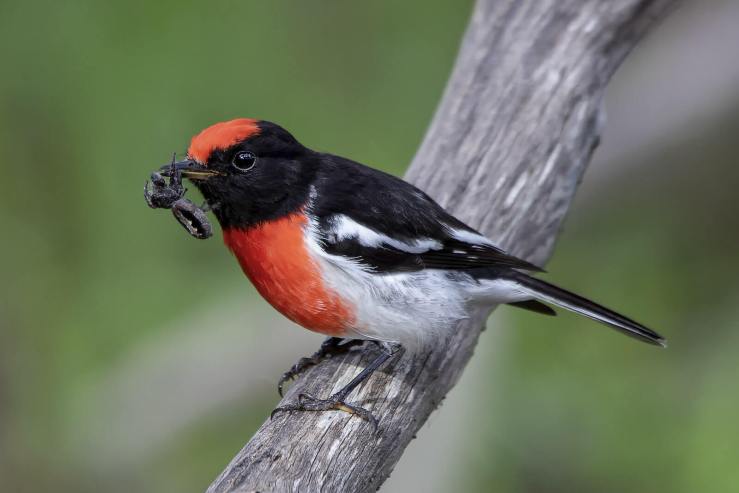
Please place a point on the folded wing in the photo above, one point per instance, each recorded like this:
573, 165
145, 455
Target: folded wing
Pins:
451, 248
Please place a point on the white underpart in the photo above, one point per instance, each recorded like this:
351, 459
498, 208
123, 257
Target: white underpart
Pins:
345, 227
412, 308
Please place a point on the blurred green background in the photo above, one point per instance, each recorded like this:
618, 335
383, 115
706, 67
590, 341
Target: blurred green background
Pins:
135, 358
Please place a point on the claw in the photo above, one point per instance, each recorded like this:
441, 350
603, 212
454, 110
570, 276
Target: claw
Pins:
307, 402
330, 347
336, 402
294, 371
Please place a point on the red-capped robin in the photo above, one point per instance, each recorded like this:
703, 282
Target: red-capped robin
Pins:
355, 253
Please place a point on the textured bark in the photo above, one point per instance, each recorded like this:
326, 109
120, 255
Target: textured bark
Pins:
517, 125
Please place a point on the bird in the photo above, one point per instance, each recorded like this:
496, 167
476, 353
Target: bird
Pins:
357, 254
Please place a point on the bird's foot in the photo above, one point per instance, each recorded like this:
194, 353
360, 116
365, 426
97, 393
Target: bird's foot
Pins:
330, 347
307, 402
337, 401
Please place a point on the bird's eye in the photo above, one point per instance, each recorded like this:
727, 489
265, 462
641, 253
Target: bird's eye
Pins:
244, 160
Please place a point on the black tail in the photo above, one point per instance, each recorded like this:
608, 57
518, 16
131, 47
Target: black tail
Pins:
554, 295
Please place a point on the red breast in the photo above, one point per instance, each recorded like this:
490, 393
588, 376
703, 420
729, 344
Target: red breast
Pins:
274, 256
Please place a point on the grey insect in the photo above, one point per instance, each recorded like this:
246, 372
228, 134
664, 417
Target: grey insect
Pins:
170, 195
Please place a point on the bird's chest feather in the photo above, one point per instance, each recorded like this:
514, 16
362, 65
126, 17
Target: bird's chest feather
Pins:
275, 258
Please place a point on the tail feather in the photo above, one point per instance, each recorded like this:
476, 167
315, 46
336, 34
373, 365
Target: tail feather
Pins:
534, 306
557, 296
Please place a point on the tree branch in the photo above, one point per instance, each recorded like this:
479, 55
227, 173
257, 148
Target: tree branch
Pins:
516, 127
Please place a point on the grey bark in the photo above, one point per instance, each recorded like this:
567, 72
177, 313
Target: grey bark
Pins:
516, 127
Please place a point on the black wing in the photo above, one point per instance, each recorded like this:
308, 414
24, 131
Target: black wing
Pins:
453, 254
389, 225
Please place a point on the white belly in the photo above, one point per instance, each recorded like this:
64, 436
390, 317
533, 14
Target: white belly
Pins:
411, 308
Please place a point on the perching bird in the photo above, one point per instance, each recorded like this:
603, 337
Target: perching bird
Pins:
354, 253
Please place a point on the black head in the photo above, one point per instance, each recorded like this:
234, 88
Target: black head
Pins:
249, 171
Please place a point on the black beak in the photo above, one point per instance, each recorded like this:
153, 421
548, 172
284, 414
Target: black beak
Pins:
189, 169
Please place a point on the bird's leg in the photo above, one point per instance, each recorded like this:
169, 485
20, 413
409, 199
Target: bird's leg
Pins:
330, 347
337, 402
